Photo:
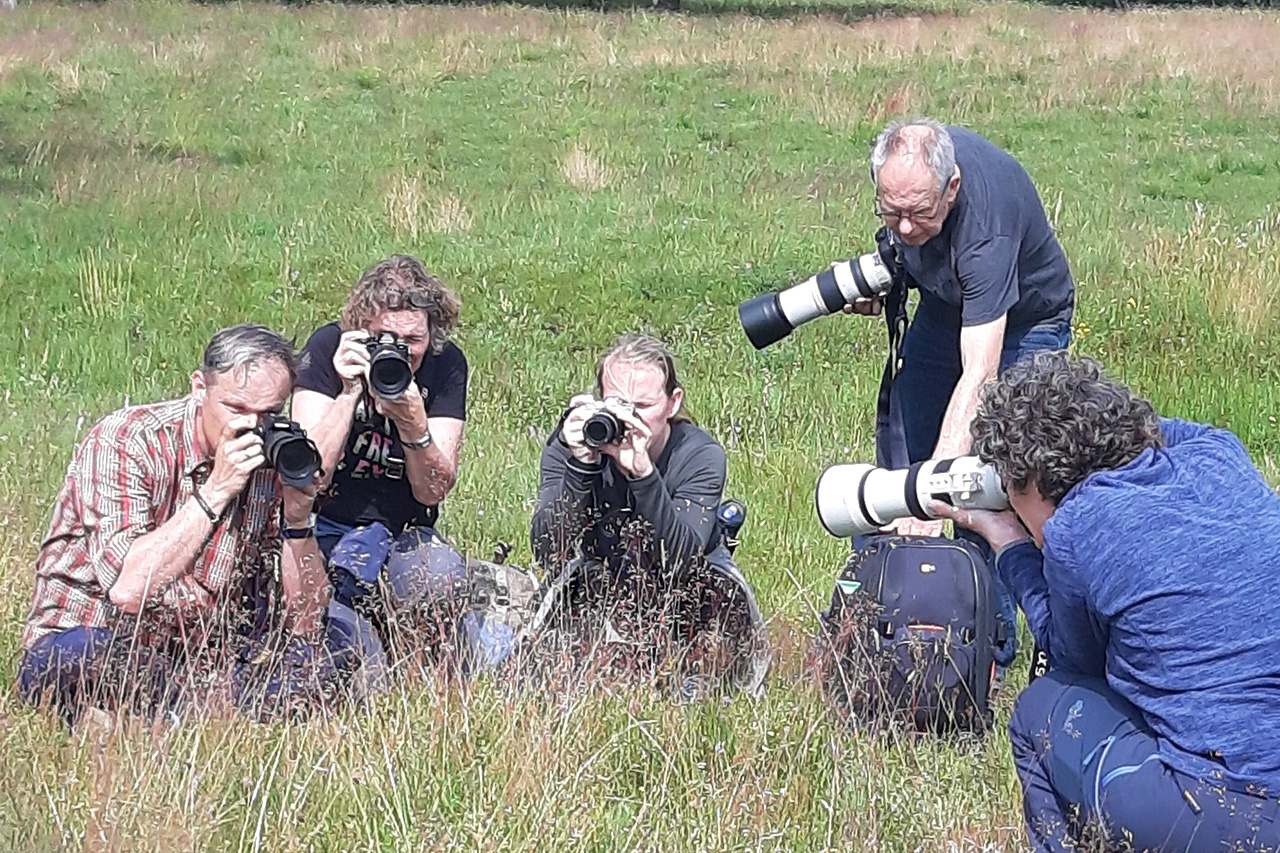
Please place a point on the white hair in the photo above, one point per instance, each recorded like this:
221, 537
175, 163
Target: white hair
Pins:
938, 149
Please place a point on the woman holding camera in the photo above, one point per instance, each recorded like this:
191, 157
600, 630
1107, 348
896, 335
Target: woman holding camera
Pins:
389, 440
626, 522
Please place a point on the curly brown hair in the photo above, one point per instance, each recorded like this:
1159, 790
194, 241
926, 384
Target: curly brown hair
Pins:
1053, 419
401, 283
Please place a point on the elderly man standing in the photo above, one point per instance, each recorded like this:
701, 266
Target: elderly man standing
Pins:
971, 234
161, 545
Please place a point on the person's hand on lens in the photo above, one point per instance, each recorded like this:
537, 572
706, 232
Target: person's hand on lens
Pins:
917, 527
351, 361
631, 452
581, 407
868, 307
298, 503
998, 528
239, 454
408, 411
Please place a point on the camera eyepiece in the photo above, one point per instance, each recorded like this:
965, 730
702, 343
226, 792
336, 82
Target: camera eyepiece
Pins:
390, 368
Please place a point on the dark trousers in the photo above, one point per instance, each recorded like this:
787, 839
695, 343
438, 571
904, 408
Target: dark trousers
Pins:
930, 371
67, 670
1090, 766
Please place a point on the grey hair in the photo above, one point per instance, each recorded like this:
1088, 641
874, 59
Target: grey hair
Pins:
247, 344
938, 148
1053, 419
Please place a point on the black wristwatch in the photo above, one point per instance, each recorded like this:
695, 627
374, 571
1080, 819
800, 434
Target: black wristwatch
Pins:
307, 532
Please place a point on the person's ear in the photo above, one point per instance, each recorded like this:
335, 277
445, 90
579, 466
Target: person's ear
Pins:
953, 185
677, 400
199, 388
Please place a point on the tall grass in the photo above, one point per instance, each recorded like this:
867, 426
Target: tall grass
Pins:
168, 169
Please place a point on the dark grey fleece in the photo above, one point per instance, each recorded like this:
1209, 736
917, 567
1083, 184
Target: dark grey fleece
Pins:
588, 508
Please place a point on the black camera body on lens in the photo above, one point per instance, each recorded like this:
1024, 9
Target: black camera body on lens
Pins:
288, 450
603, 427
390, 369
770, 317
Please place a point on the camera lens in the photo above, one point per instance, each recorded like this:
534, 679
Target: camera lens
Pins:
288, 450
389, 373
601, 429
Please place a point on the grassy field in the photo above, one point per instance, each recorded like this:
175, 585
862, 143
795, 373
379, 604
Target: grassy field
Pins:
166, 169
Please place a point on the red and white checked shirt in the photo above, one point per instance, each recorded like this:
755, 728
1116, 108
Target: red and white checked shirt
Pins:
133, 470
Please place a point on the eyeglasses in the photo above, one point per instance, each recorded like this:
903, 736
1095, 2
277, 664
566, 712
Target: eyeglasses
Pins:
892, 217
401, 301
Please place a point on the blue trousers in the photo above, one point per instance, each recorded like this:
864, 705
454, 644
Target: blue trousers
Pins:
1089, 764
65, 670
931, 369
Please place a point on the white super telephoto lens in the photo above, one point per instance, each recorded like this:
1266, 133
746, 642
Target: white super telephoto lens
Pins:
858, 499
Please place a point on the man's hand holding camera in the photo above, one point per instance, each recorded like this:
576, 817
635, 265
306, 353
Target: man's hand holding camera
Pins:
239, 454
628, 447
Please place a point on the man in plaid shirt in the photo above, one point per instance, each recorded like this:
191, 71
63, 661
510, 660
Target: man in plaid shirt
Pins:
163, 537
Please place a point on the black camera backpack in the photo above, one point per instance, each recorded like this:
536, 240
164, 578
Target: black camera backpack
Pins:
909, 637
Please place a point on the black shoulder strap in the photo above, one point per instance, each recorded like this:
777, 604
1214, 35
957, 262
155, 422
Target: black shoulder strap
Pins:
891, 437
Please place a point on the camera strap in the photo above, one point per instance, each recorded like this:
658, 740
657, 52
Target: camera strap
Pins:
891, 436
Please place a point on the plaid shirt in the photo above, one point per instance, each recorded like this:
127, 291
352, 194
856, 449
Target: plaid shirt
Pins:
133, 470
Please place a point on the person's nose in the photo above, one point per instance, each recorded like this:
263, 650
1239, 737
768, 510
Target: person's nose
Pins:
905, 227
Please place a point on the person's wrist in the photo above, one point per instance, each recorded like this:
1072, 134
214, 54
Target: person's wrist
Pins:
217, 497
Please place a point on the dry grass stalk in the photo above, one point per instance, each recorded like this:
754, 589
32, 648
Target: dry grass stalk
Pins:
449, 215
585, 171
404, 202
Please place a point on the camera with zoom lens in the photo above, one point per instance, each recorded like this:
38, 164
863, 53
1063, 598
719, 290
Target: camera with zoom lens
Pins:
769, 318
602, 427
860, 498
288, 450
390, 369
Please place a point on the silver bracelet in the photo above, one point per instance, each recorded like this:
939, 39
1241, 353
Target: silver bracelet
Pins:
421, 444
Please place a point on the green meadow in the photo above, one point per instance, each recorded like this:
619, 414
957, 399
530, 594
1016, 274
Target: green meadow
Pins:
170, 168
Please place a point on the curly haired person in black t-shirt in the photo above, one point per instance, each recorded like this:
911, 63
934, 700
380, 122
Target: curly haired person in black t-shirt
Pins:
390, 459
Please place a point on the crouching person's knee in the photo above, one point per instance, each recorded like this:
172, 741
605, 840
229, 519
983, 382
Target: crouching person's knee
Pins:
427, 595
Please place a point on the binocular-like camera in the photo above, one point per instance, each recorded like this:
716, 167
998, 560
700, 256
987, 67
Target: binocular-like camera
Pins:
390, 369
769, 318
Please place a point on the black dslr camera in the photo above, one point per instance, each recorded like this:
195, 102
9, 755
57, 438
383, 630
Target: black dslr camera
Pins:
390, 370
288, 450
603, 427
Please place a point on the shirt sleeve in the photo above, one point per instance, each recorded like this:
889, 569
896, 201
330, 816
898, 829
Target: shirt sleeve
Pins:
683, 516
988, 272
566, 495
116, 504
315, 369
447, 384
1062, 624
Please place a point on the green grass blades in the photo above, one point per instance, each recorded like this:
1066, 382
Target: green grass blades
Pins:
167, 169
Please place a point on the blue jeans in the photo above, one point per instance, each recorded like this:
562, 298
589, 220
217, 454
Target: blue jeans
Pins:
1086, 756
930, 371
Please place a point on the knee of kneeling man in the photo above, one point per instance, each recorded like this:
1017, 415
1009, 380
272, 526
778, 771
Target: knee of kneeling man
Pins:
423, 569
1034, 708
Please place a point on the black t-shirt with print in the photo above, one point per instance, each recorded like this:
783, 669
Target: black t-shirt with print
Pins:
370, 483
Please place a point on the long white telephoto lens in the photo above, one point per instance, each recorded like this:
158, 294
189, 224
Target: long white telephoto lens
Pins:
857, 499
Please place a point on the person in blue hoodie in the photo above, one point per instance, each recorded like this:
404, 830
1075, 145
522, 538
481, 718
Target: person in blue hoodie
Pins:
1143, 552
